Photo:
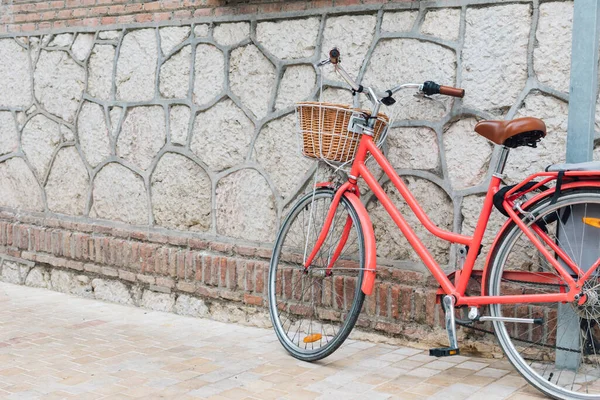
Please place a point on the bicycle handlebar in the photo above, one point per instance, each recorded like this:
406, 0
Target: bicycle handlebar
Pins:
430, 88
427, 88
452, 91
334, 56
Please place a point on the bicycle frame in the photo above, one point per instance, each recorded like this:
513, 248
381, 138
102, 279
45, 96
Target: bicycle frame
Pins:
457, 289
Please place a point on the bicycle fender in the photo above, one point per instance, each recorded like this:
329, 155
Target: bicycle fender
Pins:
370, 247
548, 193
488, 259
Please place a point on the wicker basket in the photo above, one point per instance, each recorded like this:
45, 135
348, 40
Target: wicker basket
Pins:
324, 130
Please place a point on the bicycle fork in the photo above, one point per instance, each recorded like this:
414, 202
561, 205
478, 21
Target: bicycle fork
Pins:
325, 231
340, 246
350, 192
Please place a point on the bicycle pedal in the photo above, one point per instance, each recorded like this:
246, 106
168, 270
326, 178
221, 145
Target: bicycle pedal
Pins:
444, 352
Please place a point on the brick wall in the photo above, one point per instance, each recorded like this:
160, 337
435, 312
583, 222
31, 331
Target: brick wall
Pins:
27, 15
404, 301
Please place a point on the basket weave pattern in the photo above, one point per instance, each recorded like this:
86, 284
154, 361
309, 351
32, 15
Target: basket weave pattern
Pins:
324, 130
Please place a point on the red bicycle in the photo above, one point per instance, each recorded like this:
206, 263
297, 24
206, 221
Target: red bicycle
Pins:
540, 286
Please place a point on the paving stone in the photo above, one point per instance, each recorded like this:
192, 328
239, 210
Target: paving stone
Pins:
440, 365
423, 372
472, 365
492, 372
494, 391
92, 349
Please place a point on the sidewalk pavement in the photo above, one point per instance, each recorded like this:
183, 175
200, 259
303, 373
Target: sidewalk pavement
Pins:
55, 346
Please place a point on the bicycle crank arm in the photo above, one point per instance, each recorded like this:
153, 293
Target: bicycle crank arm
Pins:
538, 321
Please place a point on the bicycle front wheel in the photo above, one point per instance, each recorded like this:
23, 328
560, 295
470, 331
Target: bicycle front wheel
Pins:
560, 356
313, 310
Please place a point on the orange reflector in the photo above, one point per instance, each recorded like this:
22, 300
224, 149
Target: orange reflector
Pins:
312, 338
595, 222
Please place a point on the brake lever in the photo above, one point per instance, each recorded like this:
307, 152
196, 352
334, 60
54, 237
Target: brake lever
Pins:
421, 95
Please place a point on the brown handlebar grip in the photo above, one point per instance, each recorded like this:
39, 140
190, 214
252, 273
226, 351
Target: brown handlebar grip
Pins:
452, 91
334, 55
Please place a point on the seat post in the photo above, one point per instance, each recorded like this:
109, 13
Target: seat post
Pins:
499, 171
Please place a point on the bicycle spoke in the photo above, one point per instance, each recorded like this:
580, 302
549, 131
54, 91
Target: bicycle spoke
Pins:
561, 355
311, 310
582, 240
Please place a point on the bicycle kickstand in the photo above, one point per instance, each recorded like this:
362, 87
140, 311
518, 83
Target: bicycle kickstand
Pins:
451, 329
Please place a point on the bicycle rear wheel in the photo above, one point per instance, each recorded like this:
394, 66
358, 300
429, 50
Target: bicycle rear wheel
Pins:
314, 310
561, 356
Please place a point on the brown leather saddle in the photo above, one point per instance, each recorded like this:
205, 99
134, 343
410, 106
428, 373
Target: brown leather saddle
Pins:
518, 132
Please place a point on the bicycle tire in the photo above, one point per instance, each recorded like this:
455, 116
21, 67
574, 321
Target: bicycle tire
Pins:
320, 311
543, 354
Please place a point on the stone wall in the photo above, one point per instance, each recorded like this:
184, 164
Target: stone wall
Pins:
144, 163
34, 15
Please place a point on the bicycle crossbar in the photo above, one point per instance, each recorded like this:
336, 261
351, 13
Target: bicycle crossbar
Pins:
410, 235
568, 287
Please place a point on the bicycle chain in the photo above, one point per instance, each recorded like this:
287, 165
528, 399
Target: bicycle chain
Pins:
470, 326
518, 339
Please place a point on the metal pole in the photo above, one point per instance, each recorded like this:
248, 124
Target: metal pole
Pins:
580, 141
584, 81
